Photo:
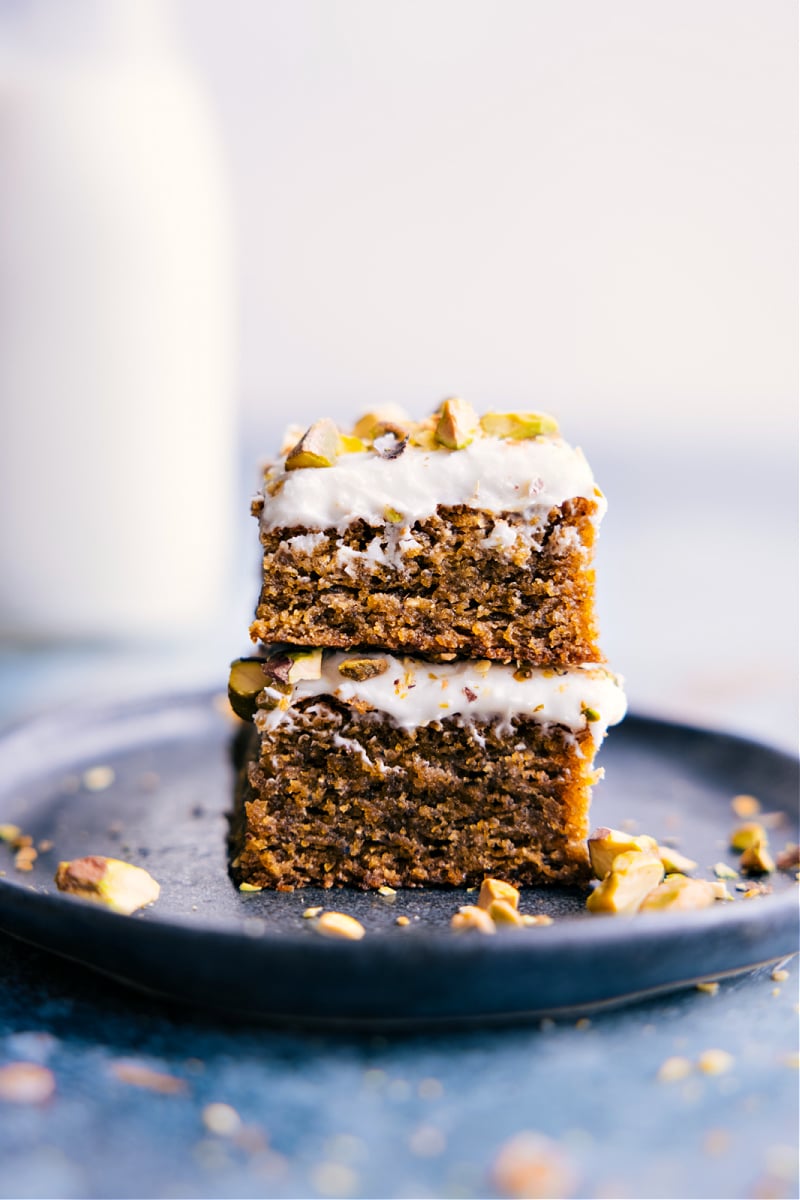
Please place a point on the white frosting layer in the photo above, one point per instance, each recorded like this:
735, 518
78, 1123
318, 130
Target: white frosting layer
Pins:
412, 692
494, 474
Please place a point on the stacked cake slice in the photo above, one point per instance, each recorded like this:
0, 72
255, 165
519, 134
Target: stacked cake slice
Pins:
430, 694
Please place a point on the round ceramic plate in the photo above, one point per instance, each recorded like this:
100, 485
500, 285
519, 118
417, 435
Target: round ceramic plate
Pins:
253, 954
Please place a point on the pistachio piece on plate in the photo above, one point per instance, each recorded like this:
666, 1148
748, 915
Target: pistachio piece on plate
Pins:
110, 881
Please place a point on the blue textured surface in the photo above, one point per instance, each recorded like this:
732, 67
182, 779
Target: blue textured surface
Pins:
342, 1116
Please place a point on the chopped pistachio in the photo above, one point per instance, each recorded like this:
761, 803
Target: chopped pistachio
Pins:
245, 681
350, 445
340, 925
591, 714
606, 844
671, 860
720, 890
386, 416
757, 859
385, 890
119, 885
9, 833
746, 835
306, 664
497, 889
457, 424
314, 911
503, 912
423, 434
711, 988
362, 668
291, 436
536, 919
469, 916
518, 425
633, 876
392, 515
318, 447
679, 892
249, 887
723, 871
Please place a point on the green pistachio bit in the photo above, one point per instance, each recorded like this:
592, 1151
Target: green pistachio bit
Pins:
391, 514
633, 875
360, 669
457, 424
605, 846
671, 860
757, 859
318, 447
306, 664
519, 425
748, 834
245, 681
591, 714
679, 892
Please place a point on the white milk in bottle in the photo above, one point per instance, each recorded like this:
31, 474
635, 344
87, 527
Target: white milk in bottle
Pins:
116, 314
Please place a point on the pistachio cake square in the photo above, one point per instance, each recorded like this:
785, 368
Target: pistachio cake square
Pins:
365, 769
458, 535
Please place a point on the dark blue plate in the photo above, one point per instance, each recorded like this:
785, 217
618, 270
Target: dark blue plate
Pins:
206, 943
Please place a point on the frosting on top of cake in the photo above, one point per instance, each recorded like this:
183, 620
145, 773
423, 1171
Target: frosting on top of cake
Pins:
412, 692
491, 473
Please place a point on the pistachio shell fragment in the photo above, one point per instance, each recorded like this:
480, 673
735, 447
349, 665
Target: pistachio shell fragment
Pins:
119, 885
457, 425
360, 669
606, 844
633, 876
679, 892
519, 425
245, 681
318, 447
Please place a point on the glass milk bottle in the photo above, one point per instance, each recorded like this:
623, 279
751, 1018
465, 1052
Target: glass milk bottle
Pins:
116, 341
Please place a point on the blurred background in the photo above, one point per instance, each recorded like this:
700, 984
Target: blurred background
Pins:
216, 218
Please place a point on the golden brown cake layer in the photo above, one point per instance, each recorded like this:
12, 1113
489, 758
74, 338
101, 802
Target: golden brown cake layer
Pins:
336, 796
465, 582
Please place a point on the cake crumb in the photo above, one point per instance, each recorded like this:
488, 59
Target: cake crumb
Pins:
221, 1119
26, 1083
779, 975
746, 806
530, 1166
674, 1069
97, 779
139, 1075
715, 1062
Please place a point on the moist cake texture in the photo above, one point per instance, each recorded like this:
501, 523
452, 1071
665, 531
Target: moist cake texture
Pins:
482, 551
429, 695
419, 773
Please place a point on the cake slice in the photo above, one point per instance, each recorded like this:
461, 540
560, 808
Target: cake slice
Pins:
368, 769
455, 536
